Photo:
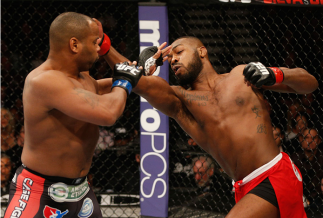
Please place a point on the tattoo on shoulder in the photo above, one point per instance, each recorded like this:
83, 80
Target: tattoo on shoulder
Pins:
256, 111
189, 98
92, 100
262, 128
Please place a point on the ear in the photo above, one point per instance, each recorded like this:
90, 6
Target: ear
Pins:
75, 45
202, 51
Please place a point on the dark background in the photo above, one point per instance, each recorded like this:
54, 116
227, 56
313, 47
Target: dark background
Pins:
233, 34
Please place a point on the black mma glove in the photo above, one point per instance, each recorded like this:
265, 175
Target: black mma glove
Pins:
257, 74
146, 59
126, 76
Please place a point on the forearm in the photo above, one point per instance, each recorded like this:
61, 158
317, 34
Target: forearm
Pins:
115, 103
296, 80
158, 93
114, 57
299, 80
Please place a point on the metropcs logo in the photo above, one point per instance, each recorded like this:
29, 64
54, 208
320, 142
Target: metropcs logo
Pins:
151, 38
152, 155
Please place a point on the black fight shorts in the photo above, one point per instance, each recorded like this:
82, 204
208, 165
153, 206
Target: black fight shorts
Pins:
35, 195
266, 191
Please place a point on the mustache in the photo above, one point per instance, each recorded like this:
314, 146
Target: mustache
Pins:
177, 64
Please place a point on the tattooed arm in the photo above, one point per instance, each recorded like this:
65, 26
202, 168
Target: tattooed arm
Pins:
56, 91
167, 99
159, 94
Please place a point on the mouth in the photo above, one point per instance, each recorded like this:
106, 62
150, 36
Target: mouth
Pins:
176, 68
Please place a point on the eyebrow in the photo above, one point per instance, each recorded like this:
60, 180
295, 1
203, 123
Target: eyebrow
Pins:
176, 46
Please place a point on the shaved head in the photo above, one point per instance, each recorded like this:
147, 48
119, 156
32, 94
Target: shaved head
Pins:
191, 40
66, 26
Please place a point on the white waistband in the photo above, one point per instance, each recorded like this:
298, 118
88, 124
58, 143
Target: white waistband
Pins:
261, 170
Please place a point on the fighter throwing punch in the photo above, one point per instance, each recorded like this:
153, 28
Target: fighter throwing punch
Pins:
63, 106
226, 115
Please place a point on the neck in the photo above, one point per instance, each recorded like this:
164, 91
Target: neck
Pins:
206, 77
64, 63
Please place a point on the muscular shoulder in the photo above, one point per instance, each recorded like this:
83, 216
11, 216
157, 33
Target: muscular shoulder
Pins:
237, 78
43, 81
88, 78
238, 70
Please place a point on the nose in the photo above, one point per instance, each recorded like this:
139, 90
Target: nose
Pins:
174, 60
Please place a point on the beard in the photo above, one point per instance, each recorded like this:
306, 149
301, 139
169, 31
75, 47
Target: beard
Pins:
193, 70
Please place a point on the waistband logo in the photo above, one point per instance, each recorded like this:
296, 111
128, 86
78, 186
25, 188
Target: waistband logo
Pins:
87, 208
60, 192
50, 212
24, 197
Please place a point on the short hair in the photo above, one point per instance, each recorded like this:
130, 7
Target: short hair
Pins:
192, 38
68, 25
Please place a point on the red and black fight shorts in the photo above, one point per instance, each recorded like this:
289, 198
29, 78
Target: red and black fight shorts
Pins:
35, 195
282, 177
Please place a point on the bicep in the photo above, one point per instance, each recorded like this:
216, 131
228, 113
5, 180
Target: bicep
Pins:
166, 99
61, 94
159, 94
279, 88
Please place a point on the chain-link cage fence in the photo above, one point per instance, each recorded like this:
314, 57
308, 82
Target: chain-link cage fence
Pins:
233, 34
238, 34
25, 45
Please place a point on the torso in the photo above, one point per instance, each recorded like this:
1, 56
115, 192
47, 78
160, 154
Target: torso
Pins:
56, 144
235, 125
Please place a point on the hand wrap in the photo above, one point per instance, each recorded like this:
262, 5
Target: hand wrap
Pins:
146, 59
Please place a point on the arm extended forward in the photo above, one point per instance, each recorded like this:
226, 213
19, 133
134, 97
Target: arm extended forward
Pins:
159, 94
295, 80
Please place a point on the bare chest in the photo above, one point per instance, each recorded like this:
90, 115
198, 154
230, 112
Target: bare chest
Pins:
214, 107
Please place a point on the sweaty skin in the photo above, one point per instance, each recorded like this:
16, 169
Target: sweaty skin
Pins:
223, 115
64, 105
229, 121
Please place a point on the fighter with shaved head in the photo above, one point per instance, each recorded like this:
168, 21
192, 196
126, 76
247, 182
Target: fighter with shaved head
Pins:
63, 107
226, 115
